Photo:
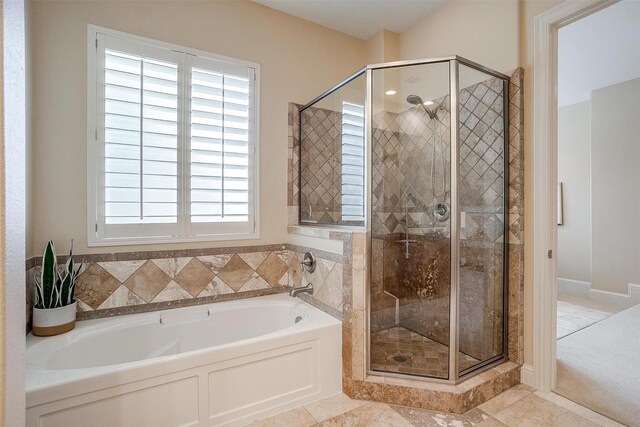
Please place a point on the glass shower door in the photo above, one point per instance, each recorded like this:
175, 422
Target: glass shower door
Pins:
481, 192
410, 220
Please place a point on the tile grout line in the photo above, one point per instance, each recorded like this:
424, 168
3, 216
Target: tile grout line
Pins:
311, 415
563, 402
510, 405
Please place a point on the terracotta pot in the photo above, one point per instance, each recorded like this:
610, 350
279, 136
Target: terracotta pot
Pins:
54, 321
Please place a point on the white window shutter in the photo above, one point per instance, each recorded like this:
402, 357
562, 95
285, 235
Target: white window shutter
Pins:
141, 140
352, 162
175, 135
219, 147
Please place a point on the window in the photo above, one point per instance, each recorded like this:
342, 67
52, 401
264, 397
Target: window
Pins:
352, 162
172, 142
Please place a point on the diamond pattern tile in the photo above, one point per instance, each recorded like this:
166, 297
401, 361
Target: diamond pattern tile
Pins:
235, 272
171, 266
114, 284
272, 269
215, 262
122, 297
147, 281
95, 285
402, 170
254, 283
171, 292
121, 270
216, 287
194, 277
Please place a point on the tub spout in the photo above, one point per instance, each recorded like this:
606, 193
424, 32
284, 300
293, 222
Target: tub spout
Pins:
308, 289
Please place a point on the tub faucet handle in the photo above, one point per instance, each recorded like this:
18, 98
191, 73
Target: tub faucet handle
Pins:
308, 262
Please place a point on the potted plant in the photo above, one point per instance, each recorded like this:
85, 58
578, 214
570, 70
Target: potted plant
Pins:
54, 311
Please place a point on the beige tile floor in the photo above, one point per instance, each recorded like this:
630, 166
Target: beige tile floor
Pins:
519, 406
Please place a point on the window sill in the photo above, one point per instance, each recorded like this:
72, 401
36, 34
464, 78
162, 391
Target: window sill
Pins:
168, 240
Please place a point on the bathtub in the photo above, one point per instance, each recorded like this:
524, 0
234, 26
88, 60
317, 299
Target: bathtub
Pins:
227, 364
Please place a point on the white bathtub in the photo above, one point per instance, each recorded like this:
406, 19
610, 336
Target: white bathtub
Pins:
220, 364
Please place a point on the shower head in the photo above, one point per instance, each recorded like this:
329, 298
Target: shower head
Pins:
416, 100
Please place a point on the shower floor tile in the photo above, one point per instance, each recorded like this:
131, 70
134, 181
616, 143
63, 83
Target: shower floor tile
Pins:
402, 351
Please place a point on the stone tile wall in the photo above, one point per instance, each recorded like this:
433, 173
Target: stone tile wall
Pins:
321, 173
403, 193
112, 284
326, 278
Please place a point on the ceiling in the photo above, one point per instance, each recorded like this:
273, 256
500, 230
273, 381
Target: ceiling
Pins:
358, 18
597, 51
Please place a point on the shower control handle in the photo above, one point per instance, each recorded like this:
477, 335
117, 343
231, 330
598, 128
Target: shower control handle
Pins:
308, 262
442, 211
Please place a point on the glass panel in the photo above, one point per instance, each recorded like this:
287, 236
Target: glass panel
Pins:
482, 217
410, 265
332, 158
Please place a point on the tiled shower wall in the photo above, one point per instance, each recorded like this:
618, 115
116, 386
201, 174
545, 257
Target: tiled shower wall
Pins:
402, 190
321, 173
327, 279
405, 191
112, 284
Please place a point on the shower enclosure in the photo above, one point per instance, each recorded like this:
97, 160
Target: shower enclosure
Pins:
416, 152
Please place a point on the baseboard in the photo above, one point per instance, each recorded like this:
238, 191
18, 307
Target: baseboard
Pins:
573, 287
526, 375
617, 299
584, 289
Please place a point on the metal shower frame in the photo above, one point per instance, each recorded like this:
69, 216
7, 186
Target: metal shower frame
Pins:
455, 376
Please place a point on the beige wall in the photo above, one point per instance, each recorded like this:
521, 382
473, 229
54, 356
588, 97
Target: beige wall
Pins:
485, 31
383, 46
615, 186
574, 171
298, 61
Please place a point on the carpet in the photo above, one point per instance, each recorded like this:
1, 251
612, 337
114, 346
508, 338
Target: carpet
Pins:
599, 367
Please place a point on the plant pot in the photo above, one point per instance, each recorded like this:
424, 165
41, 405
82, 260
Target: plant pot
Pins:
54, 321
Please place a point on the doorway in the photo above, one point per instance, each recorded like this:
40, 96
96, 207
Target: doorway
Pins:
587, 203
598, 199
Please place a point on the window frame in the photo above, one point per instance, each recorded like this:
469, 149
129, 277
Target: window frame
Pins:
95, 147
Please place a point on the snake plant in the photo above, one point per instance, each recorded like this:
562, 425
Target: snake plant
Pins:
55, 288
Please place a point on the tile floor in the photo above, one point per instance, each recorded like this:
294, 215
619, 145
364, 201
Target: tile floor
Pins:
400, 350
519, 406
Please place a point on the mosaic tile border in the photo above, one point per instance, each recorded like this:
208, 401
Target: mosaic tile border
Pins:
167, 305
144, 255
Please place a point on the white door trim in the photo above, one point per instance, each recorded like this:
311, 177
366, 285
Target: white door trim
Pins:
545, 181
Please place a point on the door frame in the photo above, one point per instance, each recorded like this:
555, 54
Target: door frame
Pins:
545, 172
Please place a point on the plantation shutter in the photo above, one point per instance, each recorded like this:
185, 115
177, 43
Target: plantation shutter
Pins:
221, 145
352, 162
174, 144
140, 89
